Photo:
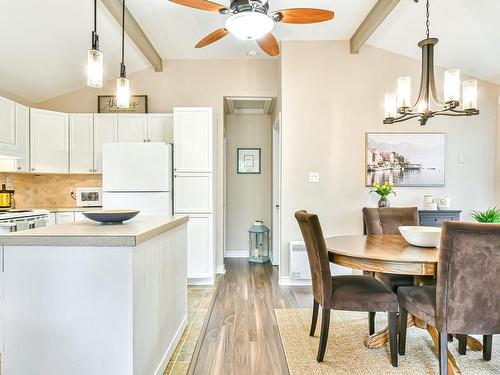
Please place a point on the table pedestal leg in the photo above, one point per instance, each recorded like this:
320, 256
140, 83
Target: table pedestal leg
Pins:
473, 343
378, 339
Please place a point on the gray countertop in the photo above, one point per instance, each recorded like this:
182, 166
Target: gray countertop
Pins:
89, 233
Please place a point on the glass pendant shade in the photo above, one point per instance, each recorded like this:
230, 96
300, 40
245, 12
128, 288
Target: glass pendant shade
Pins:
249, 25
452, 85
470, 94
94, 68
404, 92
122, 92
390, 105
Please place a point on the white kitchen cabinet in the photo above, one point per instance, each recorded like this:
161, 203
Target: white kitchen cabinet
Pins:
193, 139
200, 246
105, 131
7, 123
49, 141
80, 217
160, 127
17, 157
193, 192
65, 217
132, 127
51, 219
81, 135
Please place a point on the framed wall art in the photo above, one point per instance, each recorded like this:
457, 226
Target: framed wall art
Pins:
248, 160
405, 159
107, 104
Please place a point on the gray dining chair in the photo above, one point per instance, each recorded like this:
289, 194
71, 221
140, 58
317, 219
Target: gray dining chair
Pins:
348, 292
466, 298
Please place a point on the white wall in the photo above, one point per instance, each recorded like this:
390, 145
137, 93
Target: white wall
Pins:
329, 100
248, 196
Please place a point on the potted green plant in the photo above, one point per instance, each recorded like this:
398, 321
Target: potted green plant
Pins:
491, 215
383, 191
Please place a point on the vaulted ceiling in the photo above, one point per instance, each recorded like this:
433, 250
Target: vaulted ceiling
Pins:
45, 42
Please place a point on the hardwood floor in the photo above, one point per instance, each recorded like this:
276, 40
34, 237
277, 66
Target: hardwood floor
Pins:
242, 335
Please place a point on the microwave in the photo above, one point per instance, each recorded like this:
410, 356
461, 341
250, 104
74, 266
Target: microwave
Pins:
89, 197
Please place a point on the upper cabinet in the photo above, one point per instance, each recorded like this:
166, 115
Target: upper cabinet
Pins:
49, 141
132, 127
22, 149
105, 131
160, 127
193, 139
81, 143
7, 123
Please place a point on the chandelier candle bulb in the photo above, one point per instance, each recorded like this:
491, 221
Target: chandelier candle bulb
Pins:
470, 94
404, 92
452, 85
390, 105
122, 92
94, 68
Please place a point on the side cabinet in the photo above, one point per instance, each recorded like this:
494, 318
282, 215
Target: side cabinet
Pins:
433, 218
49, 141
193, 192
200, 246
81, 150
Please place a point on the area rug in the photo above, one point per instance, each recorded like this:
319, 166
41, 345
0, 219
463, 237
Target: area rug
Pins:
346, 353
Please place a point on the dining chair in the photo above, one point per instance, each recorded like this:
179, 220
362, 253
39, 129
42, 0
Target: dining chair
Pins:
466, 298
348, 292
386, 221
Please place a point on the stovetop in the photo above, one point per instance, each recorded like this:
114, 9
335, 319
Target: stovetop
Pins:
10, 214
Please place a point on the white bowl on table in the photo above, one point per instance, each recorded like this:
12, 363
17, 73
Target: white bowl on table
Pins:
421, 236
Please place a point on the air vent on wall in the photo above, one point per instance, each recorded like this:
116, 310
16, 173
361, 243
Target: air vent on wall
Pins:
248, 105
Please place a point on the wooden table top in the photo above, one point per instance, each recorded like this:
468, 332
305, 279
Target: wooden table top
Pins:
387, 254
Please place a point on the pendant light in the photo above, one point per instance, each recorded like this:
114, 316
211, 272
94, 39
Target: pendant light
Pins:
94, 57
122, 84
398, 106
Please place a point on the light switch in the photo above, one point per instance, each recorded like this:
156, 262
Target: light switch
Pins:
313, 177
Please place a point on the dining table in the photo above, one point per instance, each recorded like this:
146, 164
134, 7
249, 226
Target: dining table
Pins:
391, 254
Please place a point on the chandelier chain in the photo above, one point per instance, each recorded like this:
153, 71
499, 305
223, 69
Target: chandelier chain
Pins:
427, 23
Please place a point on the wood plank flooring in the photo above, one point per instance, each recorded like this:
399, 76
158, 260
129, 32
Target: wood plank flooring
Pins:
242, 335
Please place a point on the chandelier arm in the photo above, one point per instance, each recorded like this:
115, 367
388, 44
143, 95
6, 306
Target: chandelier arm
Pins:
401, 118
432, 78
423, 75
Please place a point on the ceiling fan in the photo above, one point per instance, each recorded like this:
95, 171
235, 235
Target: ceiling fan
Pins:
251, 20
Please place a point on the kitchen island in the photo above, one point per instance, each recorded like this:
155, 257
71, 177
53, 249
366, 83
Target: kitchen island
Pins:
84, 298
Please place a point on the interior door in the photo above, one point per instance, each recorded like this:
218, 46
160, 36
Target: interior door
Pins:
104, 132
81, 135
132, 127
276, 210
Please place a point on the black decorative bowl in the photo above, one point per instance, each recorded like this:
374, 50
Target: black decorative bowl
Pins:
111, 216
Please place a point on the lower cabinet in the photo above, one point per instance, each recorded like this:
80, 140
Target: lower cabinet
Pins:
200, 247
65, 217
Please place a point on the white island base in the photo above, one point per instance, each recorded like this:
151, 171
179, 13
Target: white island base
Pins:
116, 306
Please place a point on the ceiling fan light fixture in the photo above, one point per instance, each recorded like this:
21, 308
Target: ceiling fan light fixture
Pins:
249, 25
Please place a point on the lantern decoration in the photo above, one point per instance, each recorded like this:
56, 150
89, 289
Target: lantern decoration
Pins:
258, 240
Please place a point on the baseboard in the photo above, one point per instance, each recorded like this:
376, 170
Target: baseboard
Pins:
200, 281
286, 280
221, 269
170, 351
236, 254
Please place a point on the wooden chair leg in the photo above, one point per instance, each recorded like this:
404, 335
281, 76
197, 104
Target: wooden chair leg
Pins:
314, 317
443, 353
371, 322
462, 344
393, 337
487, 344
323, 339
403, 325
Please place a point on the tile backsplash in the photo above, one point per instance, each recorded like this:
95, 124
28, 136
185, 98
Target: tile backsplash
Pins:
47, 189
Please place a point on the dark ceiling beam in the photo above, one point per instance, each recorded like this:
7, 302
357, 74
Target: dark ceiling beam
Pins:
372, 21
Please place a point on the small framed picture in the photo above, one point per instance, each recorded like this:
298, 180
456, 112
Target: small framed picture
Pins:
248, 160
107, 104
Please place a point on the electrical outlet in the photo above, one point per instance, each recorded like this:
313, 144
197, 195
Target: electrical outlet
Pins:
313, 177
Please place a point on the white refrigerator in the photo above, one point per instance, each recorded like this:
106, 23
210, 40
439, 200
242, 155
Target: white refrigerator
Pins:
138, 176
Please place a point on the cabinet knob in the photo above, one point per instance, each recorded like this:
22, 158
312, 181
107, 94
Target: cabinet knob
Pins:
32, 169
19, 168
91, 170
144, 140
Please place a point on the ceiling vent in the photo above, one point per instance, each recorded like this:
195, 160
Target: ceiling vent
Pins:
248, 105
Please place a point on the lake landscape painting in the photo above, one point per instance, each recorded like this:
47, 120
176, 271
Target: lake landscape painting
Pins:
405, 159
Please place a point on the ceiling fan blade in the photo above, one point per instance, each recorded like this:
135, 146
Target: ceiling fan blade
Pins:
303, 15
269, 44
201, 4
212, 37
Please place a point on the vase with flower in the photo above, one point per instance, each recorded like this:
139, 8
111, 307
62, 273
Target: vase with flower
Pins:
383, 191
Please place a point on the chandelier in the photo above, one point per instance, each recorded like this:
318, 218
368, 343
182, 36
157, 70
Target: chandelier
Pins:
398, 105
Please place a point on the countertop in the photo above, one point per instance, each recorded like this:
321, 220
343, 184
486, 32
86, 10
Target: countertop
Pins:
90, 233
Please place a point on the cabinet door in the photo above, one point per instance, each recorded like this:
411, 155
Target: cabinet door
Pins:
81, 217
193, 192
193, 139
200, 246
160, 127
104, 132
132, 128
81, 143
49, 141
65, 217
51, 220
22, 137
7, 122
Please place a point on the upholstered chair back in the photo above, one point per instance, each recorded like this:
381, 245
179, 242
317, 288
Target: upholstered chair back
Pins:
317, 253
379, 221
468, 281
